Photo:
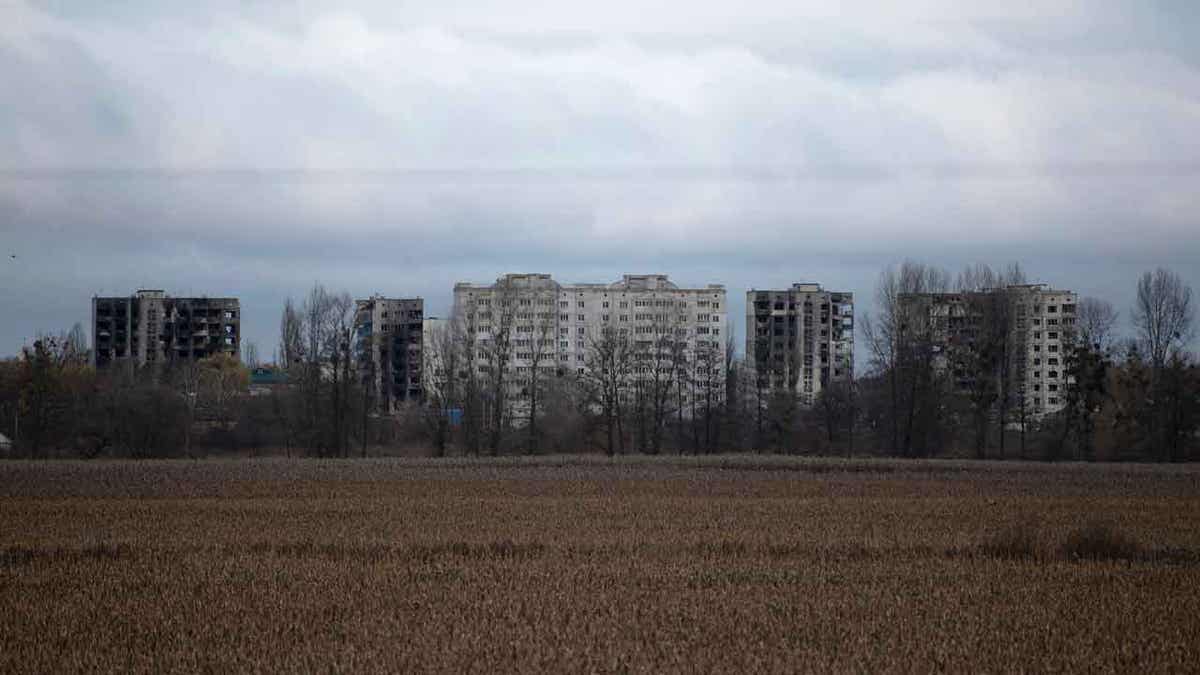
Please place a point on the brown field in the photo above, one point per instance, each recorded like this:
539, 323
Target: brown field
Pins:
727, 564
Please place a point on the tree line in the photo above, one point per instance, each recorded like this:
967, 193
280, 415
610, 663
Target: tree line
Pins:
650, 389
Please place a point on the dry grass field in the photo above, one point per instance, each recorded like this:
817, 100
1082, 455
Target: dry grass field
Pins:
726, 564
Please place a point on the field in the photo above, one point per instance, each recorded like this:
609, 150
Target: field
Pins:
730, 564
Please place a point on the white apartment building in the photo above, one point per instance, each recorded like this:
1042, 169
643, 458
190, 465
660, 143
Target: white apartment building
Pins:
552, 325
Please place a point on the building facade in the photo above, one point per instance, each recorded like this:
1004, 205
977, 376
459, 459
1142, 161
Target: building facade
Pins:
800, 339
1020, 334
388, 347
152, 327
552, 329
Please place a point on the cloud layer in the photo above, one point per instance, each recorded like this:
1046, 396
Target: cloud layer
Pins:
399, 147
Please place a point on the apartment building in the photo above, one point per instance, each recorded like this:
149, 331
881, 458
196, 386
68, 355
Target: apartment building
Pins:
388, 347
800, 339
1035, 325
151, 327
551, 326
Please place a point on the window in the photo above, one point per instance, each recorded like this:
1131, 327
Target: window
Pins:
1052, 373
605, 305
563, 304
580, 303
1052, 309
624, 317
604, 317
581, 330
580, 317
1052, 401
564, 331
1052, 335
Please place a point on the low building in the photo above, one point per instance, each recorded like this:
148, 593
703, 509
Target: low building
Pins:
266, 379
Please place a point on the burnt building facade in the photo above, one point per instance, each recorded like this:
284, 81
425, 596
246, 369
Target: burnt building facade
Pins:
151, 327
800, 339
388, 348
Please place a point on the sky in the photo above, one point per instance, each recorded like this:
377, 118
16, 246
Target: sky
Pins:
252, 149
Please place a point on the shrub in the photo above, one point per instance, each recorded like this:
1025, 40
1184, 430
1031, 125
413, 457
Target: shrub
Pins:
1101, 541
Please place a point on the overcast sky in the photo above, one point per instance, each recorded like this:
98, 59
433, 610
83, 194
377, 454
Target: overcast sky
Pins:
252, 148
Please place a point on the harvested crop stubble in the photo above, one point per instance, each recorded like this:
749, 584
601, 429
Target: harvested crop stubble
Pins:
735, 564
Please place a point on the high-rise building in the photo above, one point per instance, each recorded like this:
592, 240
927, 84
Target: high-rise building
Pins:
800, 339
553, 327
1020, 334
153, 327
388, 348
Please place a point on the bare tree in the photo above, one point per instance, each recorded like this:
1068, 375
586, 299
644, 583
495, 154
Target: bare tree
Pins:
187, 377
465, 329
291, 344
250, 355
1163, 315
76, 343
439, 380
1095, 320
901, 340
537, 326
986, 359
497, 323
609, 361
1163, 319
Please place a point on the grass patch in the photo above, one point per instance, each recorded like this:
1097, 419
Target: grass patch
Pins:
1018, 541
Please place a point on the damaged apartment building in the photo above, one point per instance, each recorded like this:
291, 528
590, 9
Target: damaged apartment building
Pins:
152, 327
552, 326
800, 339
1021, 334
388, 349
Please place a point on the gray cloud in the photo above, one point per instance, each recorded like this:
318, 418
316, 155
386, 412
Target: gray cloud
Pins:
251, 150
